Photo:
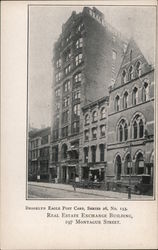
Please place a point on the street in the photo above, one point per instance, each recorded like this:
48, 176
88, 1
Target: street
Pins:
39, 190
44, 192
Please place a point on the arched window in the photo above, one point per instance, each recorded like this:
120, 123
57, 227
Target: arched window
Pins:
103, 113
140, 164
141, 128
124, 76
122, 131
131, 73
117, 103
128, 165
126, 132
135, 96
138, 127
135, 129
138, 69
118, 167
94, 116
125, 100
145, 92
87, 119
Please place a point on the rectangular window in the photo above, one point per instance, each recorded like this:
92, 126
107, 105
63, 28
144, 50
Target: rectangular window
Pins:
78, 59
102, 130
94, 133
85, 155
57, 92
55, 154
55, 134
66, 101
67, 69
101, 152
67, 86
65, 131
67, 55
75, 127
58, 63
44, 139
68, 38
76, 95
58, 77
93, 149
76, 109
57, 105
77, 77
86, 135
79, 43
80, 27
65, 116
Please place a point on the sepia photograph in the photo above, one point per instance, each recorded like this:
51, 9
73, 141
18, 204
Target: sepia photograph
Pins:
90, 105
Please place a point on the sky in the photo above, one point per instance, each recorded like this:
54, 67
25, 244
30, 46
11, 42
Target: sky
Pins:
45, 23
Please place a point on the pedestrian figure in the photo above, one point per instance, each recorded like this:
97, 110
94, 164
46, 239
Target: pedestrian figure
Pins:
74, 186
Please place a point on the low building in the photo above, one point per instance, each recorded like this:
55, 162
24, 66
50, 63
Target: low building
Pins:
39, 147
130, 149
94, 141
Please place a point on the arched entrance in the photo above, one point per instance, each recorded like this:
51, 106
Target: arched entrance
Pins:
140, 164
118, 167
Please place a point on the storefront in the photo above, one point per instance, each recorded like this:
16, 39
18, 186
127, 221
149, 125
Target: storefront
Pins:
94, 172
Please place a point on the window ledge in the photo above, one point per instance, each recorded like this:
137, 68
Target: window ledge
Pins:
102, 118
94, 121
103, 136
93, 139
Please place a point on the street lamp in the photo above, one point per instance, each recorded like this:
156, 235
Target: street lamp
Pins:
130, 171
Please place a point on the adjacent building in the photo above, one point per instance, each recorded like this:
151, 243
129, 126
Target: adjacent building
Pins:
94, 140
130, 149
86, 61
39, 147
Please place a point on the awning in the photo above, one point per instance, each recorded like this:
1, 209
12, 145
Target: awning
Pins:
71, 165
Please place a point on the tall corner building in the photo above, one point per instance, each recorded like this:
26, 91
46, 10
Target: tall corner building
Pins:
86, 61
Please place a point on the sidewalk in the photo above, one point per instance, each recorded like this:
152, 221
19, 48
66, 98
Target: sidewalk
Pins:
100, 193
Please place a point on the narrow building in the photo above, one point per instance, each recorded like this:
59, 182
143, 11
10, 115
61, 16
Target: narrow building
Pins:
94, 141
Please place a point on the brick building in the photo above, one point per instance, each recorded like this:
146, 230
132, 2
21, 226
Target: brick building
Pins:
94, 140
39, 147
130, 149
86, 60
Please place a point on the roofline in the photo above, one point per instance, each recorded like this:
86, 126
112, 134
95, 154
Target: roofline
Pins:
103, 99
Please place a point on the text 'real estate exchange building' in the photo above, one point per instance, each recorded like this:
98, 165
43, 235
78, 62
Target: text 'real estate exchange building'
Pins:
130, 149
86, 59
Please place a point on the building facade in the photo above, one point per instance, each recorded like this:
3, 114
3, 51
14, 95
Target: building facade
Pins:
94, 140
87, 57
130, 149
39, 148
